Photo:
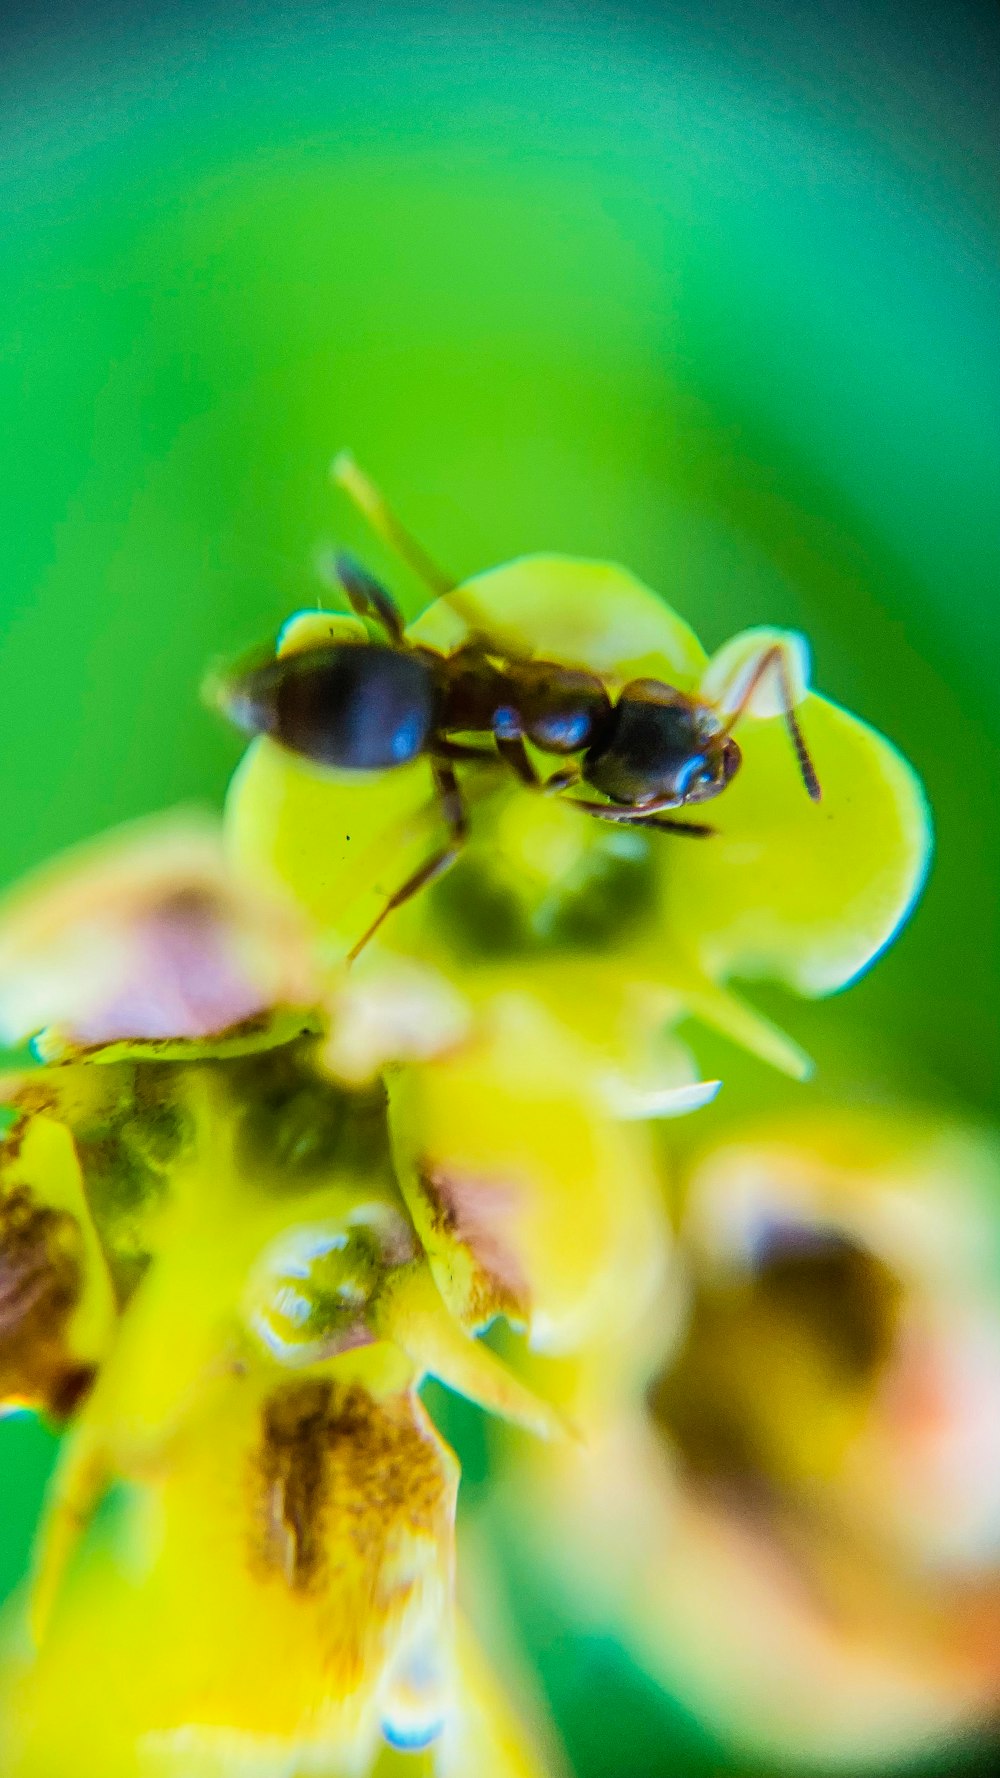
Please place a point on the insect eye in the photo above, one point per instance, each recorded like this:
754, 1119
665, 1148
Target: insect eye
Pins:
699, 780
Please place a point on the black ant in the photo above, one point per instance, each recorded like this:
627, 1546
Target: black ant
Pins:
370, 705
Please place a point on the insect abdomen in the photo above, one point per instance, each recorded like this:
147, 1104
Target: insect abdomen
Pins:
358, 705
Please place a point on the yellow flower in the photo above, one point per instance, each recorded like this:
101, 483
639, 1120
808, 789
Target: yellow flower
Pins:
791, 1512
227, 1290
271, 1593
571, 944
517, 1140
129, 947
618, 928
144, 935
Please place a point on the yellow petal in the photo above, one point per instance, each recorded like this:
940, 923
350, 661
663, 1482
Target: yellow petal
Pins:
391, 1009
145, 934
57, 1307
485, 1737
530, 1199
717, 1006
559, 608
279, 1586
339, 842
726, 680
805, 893
413, 1314
266, 1030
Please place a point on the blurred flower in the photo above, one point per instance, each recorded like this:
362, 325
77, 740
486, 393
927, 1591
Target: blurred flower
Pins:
149, 937
618, 929
208, 1262
792, 1511
285, 1191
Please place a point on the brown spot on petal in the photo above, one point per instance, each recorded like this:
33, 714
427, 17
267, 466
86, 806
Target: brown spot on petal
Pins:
776, 1356
295, 1479
338, 1479
477, 1214
40, 1282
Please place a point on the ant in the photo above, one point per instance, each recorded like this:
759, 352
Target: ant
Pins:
370, 705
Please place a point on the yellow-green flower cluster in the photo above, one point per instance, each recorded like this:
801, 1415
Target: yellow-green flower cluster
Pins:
619, 928
789, 1500
210, 1270
254, 1192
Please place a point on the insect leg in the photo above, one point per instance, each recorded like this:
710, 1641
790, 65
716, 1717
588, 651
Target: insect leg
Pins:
560, 781
626, 817
774, 660
693, 829
696, 830
372, 504
512, 750
445, 749
369, 598
454, 811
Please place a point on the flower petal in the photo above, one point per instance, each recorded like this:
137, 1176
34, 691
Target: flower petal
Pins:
805, 893
57, 1307
796, 1526
726, 679
484, 1737
531, 1200
146, 935
561, 608
338, 842
414, 1316
279, 1586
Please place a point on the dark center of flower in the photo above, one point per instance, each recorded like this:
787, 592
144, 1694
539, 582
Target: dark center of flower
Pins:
553, 880
296, 1124
779, 1362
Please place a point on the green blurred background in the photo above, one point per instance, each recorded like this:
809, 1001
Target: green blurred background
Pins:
710, 289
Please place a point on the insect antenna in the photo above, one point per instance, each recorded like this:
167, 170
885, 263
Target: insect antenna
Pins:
773, 660
373, 506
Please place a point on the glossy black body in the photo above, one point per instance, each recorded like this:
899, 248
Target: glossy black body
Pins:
562, 710
369, 706
662, 744
362, 705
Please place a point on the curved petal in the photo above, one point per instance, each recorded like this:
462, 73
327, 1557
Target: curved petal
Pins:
726, 680
587, 614
805, 893
531, 1201
280, 1585
57, 1307
339, 842
144, 934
